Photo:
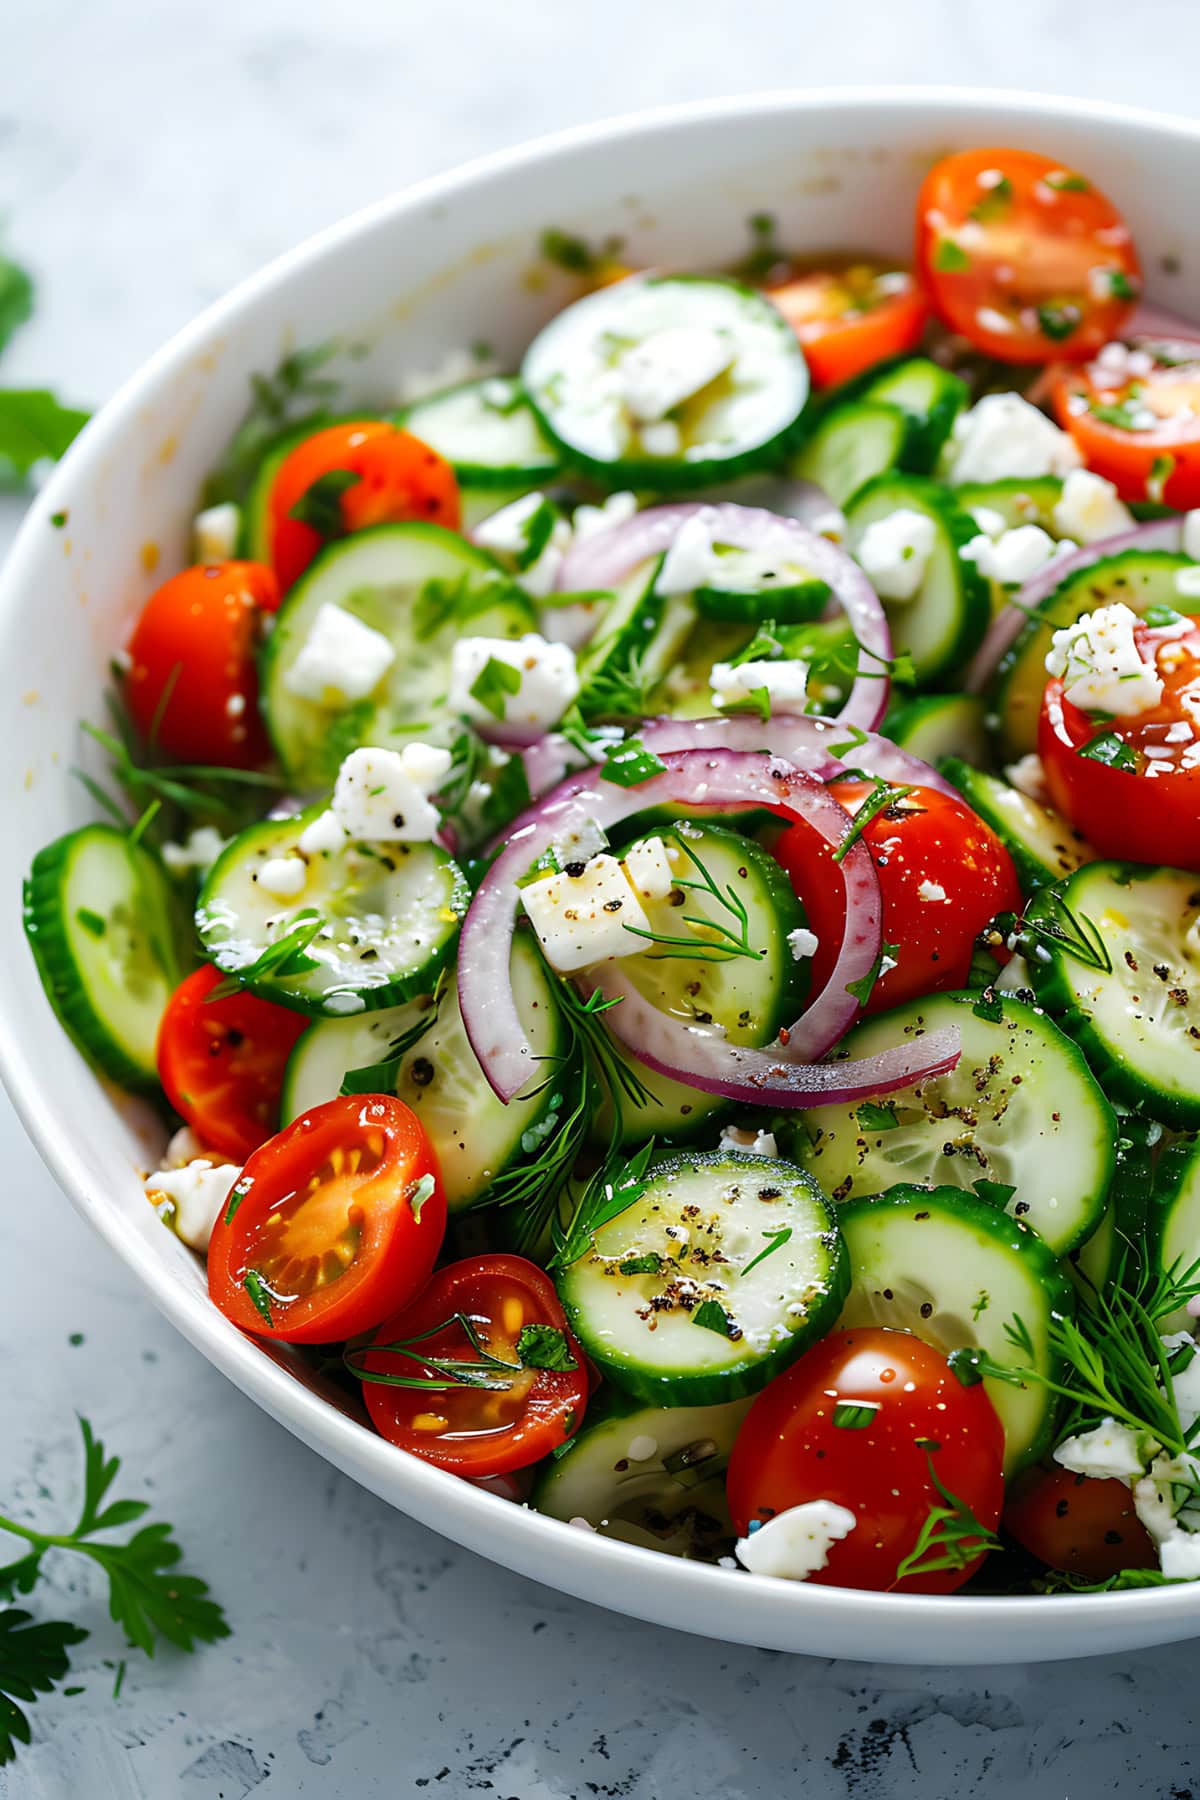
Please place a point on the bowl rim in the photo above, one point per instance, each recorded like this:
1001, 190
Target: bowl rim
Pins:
646, 1581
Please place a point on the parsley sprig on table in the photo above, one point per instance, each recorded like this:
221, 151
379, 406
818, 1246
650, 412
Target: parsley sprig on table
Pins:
149, 1597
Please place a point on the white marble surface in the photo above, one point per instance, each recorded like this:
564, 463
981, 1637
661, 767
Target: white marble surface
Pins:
151, 153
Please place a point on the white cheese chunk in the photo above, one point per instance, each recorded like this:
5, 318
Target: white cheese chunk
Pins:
548, 679
1013, 557
802, 942
1109, 1451
198, 851
894, 552
932, 891
796, 1542
1029, 777
507, 531
688, 563
1002, 436
785, 681
215, 533
670, 366
588, 521
585, 918
1100, 664
1089, 508
283, 877
323, 836
991, 523
378, 799
661, 438
1179, 1555
341, 659
197, 1193
648, 869
744, 1141
1191, 534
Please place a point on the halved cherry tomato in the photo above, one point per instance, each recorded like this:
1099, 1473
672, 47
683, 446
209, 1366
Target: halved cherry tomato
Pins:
331, 1225
848, 319
943, 875
395, 477
1024, 257
1149, 810
221, 1062
526, 1412
1139, 430
192, 685
1077, 1523
796, 1445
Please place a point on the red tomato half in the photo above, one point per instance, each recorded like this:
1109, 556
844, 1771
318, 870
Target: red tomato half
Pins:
221, 1062
1148, 811
791, 1449
1025, 258
1141, 431
943, 875
332, 1224
849, 319
394, 477
192, 684
476, 1430
1076, 1523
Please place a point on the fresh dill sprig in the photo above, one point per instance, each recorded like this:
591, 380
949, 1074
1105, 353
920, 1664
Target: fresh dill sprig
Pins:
288, 955
537, 1347
1050, 920
951, 1537
624, 692
380, 1077
294, 394
728, 942
884, 795
195, 790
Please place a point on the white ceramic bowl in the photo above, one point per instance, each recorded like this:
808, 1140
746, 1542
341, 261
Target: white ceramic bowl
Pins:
443, 265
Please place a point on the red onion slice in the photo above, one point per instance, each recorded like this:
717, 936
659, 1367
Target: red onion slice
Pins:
777, 1075
816, 746
1157, 534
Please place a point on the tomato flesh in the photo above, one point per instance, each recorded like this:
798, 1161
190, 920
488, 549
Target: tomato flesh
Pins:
851, 318
1023, 257
791, 1450
1140, 431
333, 1224
472, 1430
1079, 1524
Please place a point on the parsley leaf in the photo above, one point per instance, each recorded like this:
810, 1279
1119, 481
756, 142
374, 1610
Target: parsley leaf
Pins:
493, 684
950, 1538
34, 427
1111, 750
950, 258
630, 763
872, 1117
711, 1316
294, 395
545, 1347
16, 298
320, 505
863, 987
33, 1659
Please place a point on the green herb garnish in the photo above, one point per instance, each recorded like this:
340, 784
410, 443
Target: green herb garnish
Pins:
854, 1415
320, 505
1110, 750
950, 1538
493, 685
34, 427
710, 1315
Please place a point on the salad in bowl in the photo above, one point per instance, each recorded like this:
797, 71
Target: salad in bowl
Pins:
659, 894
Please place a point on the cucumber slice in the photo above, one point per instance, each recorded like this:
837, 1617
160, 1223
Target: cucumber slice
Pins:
937, 726
634, 1299
1114, 954
852, 443
1094, 1265
944, 623
955, 1272
1174, 1236
737, 422
1043, 846
1140, 578
669, 1496
613, 661
386, 918
475, 1136
1020, 1109
488, 430
752, 588
479, 503
1020, 500
930, 399
101, 921
423, 588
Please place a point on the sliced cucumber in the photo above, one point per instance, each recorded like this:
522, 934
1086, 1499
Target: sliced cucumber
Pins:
488, 430
1174, 1237
1094, 1265
475, 1136
423, 588
100, 918
669, 1496
852, 443
1114, 954
944, 622
1043, 846
937, 726
676, 1301
1140, 578
738, 421
930, 398
385, 917
1019, 500
956, 1272
1021, 1109
750, 588
613, 657
479, 503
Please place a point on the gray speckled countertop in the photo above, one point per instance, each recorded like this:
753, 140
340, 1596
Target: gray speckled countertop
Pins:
150, 155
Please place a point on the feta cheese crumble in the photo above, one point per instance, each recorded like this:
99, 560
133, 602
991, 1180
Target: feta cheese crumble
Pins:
796, 1542
323, 836
215, 533
382, 796
688, 562
283, 877
1100, 665
802, 942
668, 367
1089, 508
1002, 436
648, 869
1108, 1452
894, 552
931, 890
786, 684
1013, 557
508, 530
341, 659
197, 1193
548, 679
1191, 534
198, 851
585, 917
748, 1142
1029, 777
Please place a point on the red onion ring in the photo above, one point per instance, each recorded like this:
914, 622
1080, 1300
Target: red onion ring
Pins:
1157, 534
759, 1076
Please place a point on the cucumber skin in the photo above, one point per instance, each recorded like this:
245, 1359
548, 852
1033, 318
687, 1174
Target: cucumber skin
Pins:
905, 725
482, 475
57, 970
926, 433
1032, 872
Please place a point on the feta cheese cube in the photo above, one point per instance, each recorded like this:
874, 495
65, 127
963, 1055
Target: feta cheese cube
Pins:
197, 1194
507, 531
932, 891
1191, 534
661, 438
1003, 435
689, 561
1100, 664
426, 764
283, 877
894, 552
648, 868
341, 659
215, 533
586, 918
587, 521
802, 942
324, 836
1109, 1451
548, 685
376, 799
1089, 508
579, 844
670, 366
1179, 1555
990, 522
1016, 555
796, 1542
786, 682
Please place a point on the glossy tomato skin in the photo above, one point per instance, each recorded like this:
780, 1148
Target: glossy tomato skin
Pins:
1077, 1523
397, 478
849, 320
924, 846
790, 1451
192, 682
1026, 258
221, 1062
470, 1431
1131, 814
1154, 457
333, 1224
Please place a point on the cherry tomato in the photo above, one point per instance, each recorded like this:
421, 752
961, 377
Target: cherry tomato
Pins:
792, 1448
1143, 807
332, 1224
221, 1062
1077, 1523
396, 477
1024, 257
943, 875
1139, 427
849, 319
192, 685
470, 1429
